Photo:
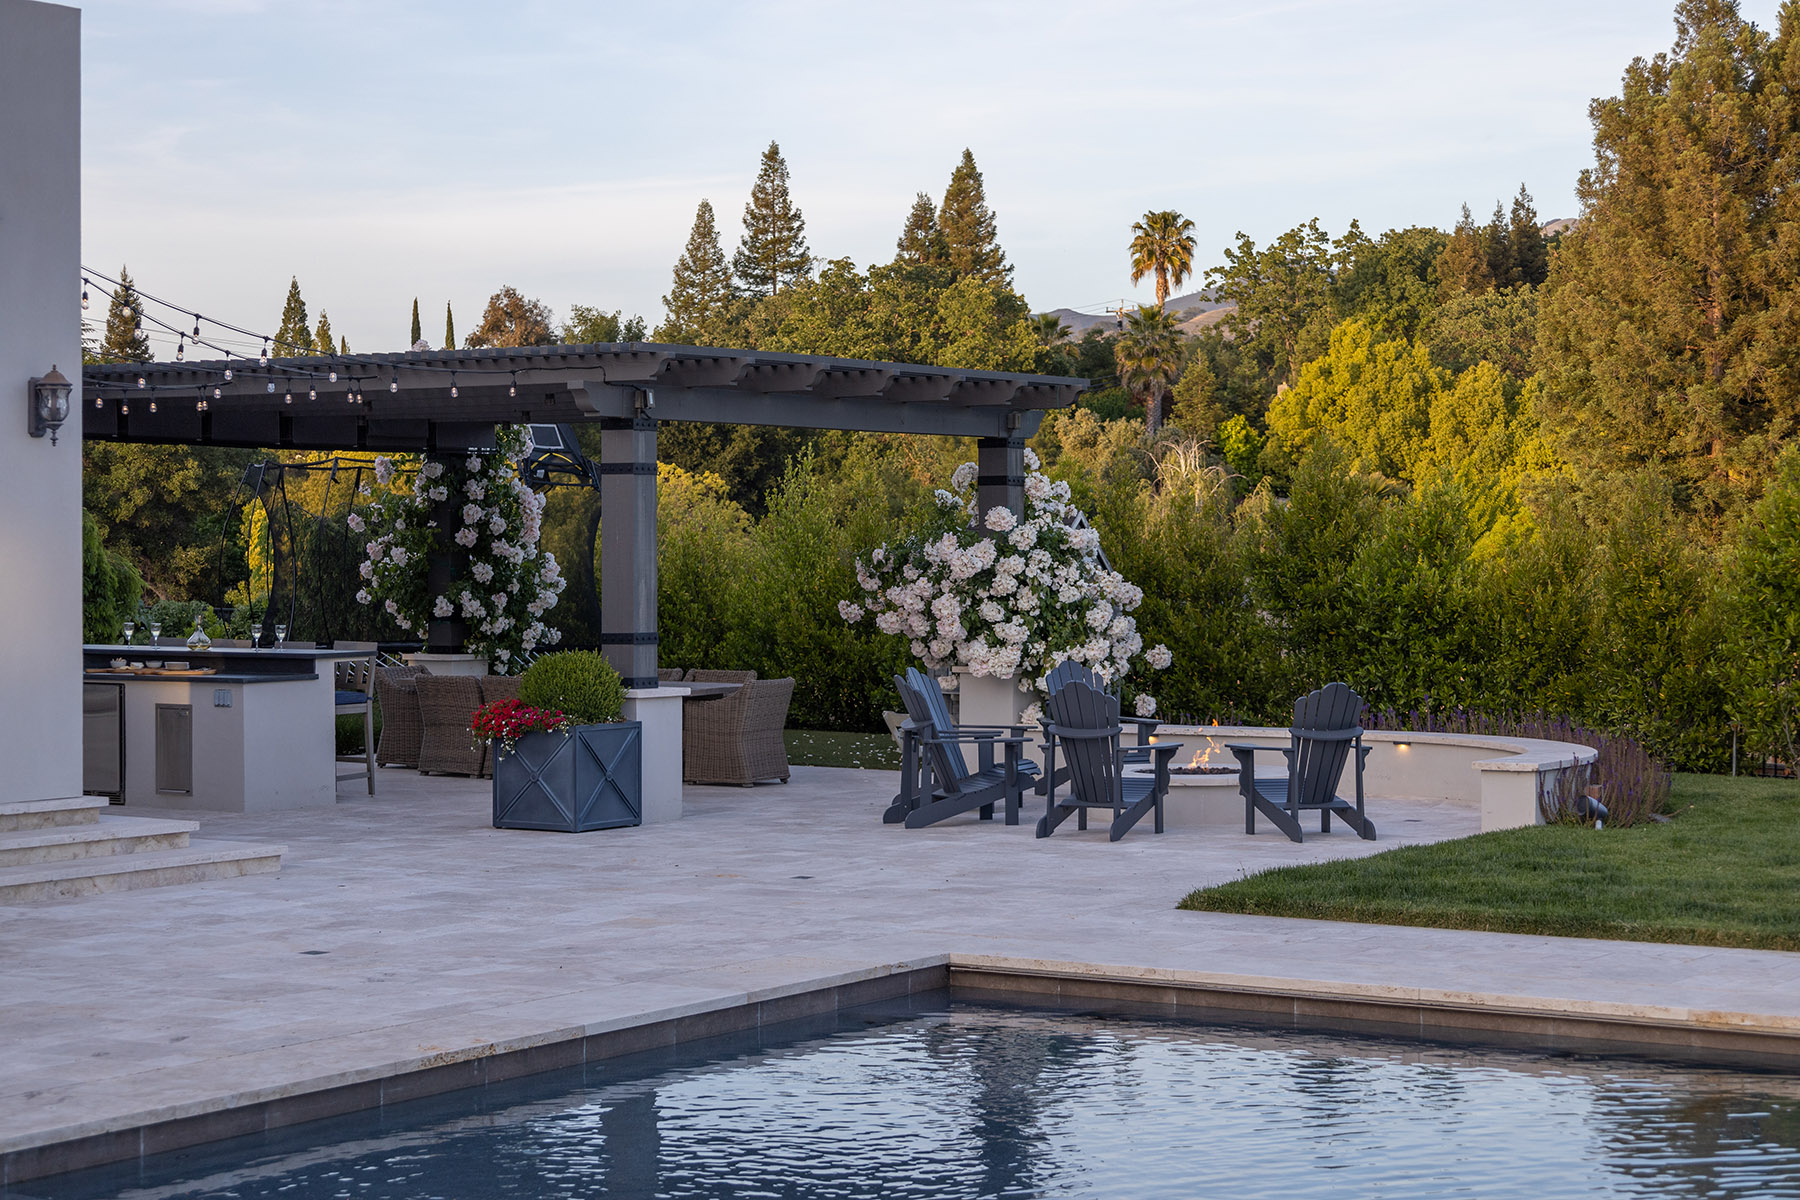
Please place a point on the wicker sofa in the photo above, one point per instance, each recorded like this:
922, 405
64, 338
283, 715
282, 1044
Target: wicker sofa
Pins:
737, 738
446, 702
397, 697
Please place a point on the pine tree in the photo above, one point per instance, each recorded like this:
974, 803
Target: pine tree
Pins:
773, 251
294, 338
323, 342
125, 340
343, 344
512, 320
971, 238
1670, 318
1531, 256
1463, 266
921, 243
449, 328
1503, 267
699, 298
417, 333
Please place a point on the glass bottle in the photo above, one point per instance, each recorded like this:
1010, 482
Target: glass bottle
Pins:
198, 640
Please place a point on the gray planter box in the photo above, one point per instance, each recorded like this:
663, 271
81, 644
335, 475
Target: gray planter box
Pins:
590, 778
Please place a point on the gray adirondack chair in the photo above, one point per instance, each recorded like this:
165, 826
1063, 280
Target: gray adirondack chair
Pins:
1069, 671
1084, 727
1323, 736
936, 782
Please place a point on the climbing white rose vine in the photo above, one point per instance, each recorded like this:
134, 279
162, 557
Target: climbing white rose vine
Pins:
507, 584
1006, 596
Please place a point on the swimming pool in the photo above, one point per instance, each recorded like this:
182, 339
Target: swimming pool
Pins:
955, 1099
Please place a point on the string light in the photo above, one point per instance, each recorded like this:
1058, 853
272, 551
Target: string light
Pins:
227, 374
312, 393
512, 389
332, 376
140, 381
84, 295
263, 359
153, 406
124, 409
196, 327
99, 403
270, 388
181, 349
453, 385
394, 383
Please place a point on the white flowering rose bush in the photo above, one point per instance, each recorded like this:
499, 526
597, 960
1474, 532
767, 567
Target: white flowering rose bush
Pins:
507, 583
1004, 595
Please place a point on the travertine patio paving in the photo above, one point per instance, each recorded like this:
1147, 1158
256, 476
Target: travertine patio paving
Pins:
403, 927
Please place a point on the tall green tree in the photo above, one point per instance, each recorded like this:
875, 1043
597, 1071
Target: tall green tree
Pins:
971, 237
921, 242
511, 319
773, 252
698, 305
294, 338
1390, 282
1503, 268
449, 328
1149, 356
1284, 295
1162, 245
595, 325
1762, 667
1670, 328
124, 339
417, 333
323, 341
1463, 266
1530, 253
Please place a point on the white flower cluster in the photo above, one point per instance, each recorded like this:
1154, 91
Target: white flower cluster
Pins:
1005, 595
498, 522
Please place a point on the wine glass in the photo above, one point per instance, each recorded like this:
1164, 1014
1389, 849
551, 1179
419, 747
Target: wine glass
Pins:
280, 635
130, 628
156, 633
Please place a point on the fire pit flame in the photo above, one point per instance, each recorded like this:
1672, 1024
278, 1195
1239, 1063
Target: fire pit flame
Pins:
1203, 762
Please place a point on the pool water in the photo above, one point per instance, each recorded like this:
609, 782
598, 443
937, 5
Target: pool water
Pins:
968, 1100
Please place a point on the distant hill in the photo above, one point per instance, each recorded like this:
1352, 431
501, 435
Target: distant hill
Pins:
1196, 309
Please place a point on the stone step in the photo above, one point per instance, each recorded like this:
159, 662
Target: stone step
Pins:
40, 814
108, 835
195, 863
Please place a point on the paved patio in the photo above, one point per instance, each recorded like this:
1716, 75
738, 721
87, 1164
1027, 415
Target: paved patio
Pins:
404, 929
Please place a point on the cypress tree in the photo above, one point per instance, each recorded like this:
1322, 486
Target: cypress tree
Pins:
699, 296
1503, 267
1463, 266
417, 333
125, 340
294, 338
773, 251
323, 342
449, 328
920, 242
1531, 257
343, 344
970, 237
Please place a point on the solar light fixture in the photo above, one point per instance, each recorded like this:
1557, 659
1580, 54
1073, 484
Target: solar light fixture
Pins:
48, 399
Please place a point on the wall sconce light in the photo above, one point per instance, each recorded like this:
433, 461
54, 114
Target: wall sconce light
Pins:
49, 404
1403, 745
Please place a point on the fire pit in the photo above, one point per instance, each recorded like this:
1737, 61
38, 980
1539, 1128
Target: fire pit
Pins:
1203, 768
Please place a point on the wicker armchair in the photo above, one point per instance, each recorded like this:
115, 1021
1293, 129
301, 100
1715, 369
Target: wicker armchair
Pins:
398, 698
493, 688
701, 675
446, 747
737, 739
669, 674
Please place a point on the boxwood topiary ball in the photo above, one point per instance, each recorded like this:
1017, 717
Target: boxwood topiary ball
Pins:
580, 683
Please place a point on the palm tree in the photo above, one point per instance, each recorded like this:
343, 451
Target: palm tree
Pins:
1164, 244
1049, 329
1149, 356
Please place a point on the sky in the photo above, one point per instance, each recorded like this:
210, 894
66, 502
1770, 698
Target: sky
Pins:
381, 150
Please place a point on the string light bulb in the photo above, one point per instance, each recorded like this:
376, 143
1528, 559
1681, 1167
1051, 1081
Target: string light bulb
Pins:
270, 387
99, 403
312, 393
263, 359
84, 295
453, 385
124, 409
180, 347
217, 393
512, 389
332, 376
153, 406
227, 374
288, 398
196, 327
394, 383
140, 381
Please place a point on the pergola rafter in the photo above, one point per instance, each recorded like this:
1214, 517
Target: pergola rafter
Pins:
450, 400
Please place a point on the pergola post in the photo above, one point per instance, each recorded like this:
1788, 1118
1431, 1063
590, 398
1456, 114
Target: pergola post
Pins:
628, 547
446, 635
1000, 473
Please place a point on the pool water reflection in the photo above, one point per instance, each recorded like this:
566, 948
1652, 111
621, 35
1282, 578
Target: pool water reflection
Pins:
969, 1100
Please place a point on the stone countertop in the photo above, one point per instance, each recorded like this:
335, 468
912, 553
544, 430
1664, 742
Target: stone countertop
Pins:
180, 650
123, 677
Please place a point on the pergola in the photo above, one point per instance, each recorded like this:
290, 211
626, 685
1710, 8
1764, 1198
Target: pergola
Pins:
447, 402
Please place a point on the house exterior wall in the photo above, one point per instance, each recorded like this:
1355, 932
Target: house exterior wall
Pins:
40, 326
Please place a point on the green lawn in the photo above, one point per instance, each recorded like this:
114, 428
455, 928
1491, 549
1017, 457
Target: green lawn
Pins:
1724, 872
817, 748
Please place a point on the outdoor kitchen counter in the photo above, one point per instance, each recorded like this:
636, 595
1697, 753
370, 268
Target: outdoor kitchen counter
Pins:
257, 736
